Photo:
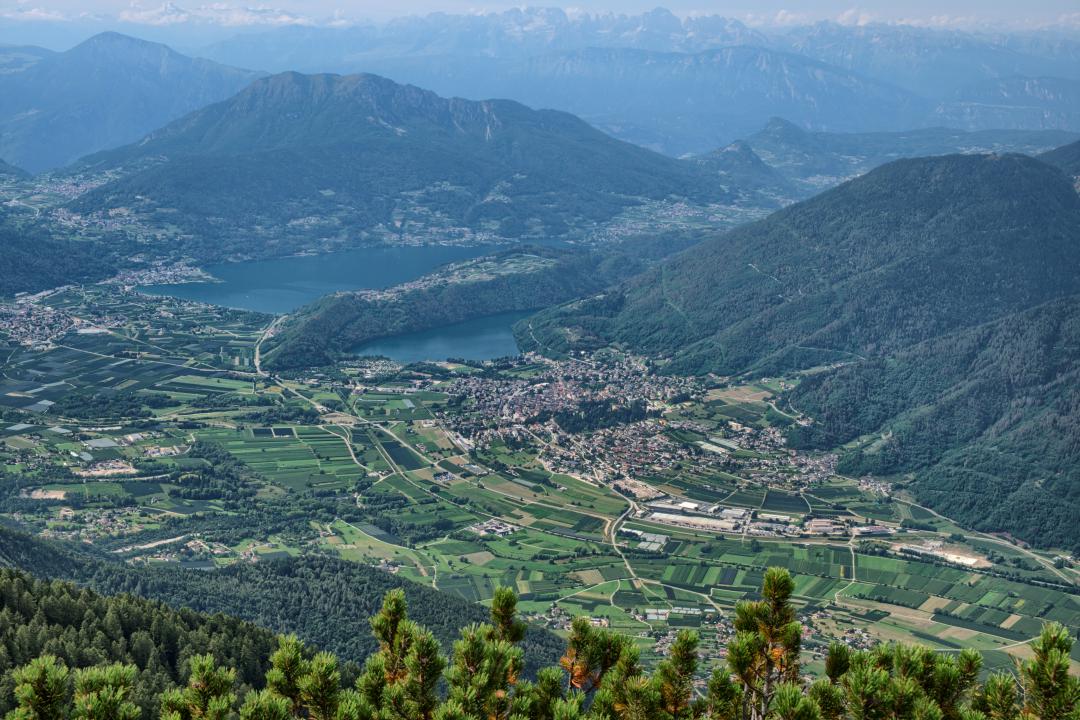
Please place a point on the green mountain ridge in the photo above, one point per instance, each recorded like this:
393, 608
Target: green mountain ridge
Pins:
907, 252
302, 156
985, 420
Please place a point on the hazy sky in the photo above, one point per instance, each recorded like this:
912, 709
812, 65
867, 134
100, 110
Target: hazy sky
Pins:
958, 13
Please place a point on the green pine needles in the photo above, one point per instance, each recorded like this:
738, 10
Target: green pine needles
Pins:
600, 678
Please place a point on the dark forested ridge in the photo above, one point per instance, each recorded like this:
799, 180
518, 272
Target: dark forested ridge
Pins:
360, 151
32, 259
324, 601
522, 279
84, 629
1066, 157
987, 419
910, 251
894, 274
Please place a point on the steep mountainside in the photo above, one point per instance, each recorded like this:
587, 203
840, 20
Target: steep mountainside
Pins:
84, 628
316, 156
893, 275
985, 418
907, 252
107, 91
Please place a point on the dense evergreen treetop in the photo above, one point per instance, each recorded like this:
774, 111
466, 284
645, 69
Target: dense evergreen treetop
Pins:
599, 676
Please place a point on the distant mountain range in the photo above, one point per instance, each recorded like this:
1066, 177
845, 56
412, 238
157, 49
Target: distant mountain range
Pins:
354, 157
673, 102
688, 85
678, 86
896, 280
110, 90
805, 163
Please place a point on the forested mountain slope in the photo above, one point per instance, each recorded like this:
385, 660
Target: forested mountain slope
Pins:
1066, 157
986, 419
894, 275
908, 252
331, 156
325, 601
32, 259
85, 629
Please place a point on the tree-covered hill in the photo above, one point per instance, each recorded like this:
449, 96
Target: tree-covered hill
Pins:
1066, 157
942, 287
32, 259
326, 155
325, 601
908, 252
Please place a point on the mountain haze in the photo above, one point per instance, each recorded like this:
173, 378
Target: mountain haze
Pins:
672, 101
109, 90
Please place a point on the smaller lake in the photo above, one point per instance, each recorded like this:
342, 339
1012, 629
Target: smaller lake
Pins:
282, 285
480, 339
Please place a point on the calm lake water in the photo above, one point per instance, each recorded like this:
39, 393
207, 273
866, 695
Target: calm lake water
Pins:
284, 284
480, 339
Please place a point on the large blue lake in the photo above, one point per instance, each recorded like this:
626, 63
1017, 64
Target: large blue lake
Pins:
283, 284
480, 339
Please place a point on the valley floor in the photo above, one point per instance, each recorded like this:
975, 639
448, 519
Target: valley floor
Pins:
148, 427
